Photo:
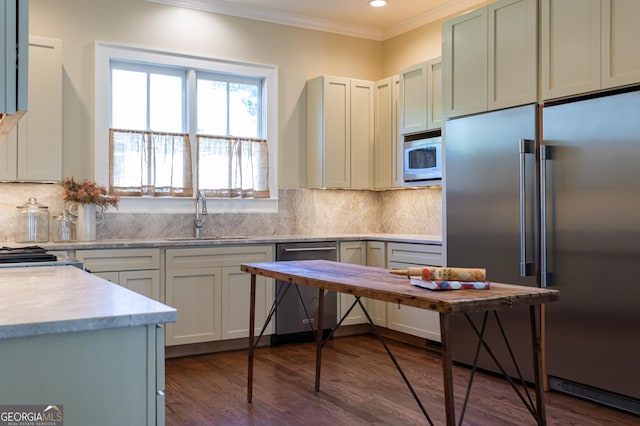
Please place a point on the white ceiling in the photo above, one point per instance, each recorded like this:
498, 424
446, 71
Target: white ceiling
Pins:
349, 17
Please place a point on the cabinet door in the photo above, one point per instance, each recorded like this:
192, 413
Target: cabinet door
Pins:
398, 150
376, 257
196, 294
361, 135
412, 106
384, 139
9, 155
464, 59
113, 277
40, 130
336, 157
411, 320
434, 93
386, 134
570, 51
620, 35
407, 319
146, 283
119, 259
236, 292
352, 252
512, 53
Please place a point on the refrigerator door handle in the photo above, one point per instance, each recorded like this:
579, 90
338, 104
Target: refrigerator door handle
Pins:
527, 146
545, 154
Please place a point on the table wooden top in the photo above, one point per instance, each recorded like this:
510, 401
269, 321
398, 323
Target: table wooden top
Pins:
380, 284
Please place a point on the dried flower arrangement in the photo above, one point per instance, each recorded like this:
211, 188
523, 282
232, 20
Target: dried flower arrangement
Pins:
87, 192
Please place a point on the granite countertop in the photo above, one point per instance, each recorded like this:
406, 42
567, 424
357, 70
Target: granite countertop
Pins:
221, 240
60, 299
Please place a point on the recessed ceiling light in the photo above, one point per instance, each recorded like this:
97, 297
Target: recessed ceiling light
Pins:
377, 3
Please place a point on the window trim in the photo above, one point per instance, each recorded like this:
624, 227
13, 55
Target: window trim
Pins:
105, 52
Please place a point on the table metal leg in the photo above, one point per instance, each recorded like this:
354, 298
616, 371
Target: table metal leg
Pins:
319, 332
535, 312
447, 370
252, 318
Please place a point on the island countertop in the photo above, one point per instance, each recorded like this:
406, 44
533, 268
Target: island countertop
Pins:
60, 299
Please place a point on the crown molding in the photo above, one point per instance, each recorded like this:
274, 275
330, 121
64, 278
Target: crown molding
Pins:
452, 7
318, 24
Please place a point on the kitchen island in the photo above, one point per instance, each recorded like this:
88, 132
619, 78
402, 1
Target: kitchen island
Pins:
72, 339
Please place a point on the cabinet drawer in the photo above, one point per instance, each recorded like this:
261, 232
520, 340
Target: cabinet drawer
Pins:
207, 257
119, 259
418, 254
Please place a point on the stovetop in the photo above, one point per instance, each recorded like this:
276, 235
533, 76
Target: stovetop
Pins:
25, 255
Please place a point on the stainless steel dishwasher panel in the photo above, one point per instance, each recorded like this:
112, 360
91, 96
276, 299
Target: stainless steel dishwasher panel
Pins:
292, 322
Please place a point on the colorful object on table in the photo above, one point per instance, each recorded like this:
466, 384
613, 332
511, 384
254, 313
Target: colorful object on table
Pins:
444, 274
450, 285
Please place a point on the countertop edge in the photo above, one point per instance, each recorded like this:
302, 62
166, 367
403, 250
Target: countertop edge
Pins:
84, 324
238, 240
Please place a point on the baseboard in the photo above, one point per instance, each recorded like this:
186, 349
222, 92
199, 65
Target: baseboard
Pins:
610, 399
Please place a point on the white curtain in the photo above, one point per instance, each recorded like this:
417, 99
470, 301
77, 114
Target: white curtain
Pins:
233, 167
149, 163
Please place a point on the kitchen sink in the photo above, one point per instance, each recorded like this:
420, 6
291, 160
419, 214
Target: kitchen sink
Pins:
204, 238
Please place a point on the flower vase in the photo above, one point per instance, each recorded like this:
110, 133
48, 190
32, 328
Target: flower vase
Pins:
86, 222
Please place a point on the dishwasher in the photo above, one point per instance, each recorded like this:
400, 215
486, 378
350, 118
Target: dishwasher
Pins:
292, 323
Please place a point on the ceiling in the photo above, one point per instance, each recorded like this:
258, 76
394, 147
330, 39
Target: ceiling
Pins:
350, 17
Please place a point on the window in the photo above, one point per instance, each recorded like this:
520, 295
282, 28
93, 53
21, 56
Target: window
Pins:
175, 124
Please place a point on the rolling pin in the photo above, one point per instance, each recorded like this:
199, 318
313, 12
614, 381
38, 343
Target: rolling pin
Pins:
431, 273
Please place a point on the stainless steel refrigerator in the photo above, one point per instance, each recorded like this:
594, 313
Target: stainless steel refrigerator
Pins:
565, 211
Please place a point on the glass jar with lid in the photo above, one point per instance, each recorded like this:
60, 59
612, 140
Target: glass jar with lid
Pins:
63, 227
32, 222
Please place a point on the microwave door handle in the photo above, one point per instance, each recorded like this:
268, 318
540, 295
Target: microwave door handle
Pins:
526, 267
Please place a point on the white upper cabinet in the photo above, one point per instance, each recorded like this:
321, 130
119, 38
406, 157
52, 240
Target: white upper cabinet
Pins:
434, 93
588, 45
420, 97
570, 51
620, 36
361, 136
340, 139
388, 148
489, 58
513, 53
32, 151
464, 63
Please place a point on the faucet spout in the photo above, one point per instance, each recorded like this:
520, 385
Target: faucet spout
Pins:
201, 212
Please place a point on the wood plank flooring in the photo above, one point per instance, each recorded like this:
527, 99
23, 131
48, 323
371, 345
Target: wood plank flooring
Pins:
359, 386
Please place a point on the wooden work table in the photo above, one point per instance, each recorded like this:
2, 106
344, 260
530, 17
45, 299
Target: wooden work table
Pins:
378, 283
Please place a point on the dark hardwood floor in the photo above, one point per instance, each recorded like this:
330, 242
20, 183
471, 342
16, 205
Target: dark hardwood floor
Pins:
359, 386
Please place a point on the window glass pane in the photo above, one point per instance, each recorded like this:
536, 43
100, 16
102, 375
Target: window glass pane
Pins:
166, 103
212, 107
243, 110
129, 100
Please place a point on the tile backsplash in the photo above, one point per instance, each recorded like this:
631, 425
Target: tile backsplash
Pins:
300, 212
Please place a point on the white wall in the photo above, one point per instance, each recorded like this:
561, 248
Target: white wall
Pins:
299, 54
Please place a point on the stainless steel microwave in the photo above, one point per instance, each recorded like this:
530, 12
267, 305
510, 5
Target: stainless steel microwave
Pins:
423, 159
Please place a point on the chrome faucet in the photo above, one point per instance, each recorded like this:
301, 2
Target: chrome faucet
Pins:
201, 212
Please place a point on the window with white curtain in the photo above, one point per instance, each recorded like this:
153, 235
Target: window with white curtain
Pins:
179, 124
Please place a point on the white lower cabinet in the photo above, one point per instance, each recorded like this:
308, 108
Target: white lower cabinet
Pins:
352, 252
408, 319
377, 256
371, 253
135, 269
212, 294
